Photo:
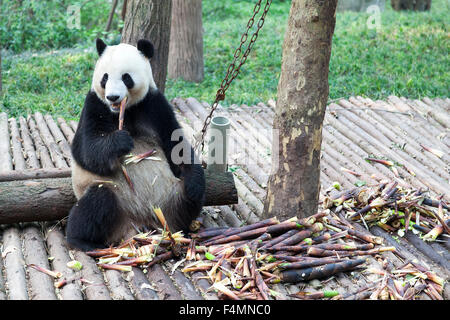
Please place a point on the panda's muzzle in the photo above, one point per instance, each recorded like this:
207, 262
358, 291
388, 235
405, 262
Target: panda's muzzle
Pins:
119, 106
112, 98
115, 104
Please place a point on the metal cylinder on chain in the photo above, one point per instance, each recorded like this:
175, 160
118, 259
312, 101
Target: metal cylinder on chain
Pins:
218, 143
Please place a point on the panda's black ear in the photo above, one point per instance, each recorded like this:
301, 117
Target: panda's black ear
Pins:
101, 46
146, 47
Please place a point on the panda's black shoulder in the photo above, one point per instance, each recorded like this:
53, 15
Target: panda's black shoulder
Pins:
93, 111
94, 106
156, 100
157, 109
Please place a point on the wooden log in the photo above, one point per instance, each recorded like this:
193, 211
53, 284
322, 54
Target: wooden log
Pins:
14, 265
160, 279
2, 282
55, 151
28, 146
35, 200
59, 137
5, 156
16, 146
220, 188
142, 288
40, 285
229, 216
185, 285
15, 175
73, 125
98, 289
355, 128
118, 286
60, 254
34, 195
203, 285
249, 198
41, 150
389, 134
245, 213
66, 129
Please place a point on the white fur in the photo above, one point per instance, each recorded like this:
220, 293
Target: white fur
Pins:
116, 61
154, 185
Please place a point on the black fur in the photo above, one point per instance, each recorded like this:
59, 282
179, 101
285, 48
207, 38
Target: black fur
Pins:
98, 144
101, 46
146, 47
92, 219
104, 80
126, 78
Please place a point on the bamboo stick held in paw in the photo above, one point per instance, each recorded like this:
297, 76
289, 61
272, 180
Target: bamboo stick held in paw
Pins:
122, 113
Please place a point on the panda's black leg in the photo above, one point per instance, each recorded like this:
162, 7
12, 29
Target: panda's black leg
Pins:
193, 197
92, 219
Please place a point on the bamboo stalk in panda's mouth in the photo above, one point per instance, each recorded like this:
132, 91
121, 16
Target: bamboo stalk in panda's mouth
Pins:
121, 118
122, 113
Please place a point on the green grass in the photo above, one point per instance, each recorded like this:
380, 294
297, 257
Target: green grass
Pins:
408, 56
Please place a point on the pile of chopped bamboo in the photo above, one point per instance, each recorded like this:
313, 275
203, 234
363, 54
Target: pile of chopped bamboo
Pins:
405, 282
245, 262
393, 208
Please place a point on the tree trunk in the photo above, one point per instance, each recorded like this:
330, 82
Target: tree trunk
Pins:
416, 5
293, 188
123, 12
150, 19
186, 41
36, 200
47, 194
111, 16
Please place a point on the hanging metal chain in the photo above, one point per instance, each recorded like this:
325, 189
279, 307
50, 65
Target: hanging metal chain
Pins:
234, 68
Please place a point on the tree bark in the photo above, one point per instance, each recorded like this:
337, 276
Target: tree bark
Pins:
111, 15
47, 194
186, 41
150, 19
293, 188
416, 5
35, 200
123, 12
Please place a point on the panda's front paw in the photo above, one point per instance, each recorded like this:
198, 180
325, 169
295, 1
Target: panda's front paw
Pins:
123, 143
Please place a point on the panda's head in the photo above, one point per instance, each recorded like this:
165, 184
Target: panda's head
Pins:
123, 71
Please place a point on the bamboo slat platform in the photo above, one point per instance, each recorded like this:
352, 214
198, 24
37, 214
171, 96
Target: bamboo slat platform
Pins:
353, 129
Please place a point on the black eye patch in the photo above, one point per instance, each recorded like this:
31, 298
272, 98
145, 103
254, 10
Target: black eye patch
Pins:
126, 78
104, 80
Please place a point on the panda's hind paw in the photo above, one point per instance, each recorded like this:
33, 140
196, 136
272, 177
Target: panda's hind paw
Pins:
83, 245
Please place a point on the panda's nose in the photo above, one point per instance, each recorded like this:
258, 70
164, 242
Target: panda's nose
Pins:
112, 98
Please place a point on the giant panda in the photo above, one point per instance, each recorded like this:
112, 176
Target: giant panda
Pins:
108, 208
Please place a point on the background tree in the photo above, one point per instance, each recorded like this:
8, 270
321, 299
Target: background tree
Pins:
186, 41
111, 15
302, 95
150, 19
417, 5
